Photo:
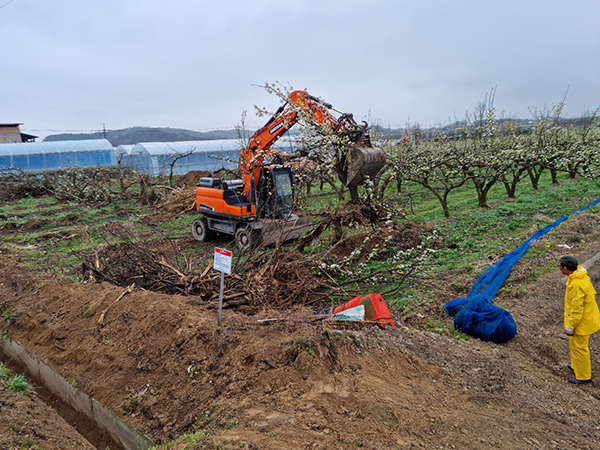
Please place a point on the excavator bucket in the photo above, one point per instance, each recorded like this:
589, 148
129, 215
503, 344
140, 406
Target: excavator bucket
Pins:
363, 162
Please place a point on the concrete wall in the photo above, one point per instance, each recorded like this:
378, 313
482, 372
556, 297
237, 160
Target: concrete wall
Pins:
120, 432
10, 135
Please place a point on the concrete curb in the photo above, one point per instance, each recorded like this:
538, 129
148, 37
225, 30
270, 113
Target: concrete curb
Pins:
119, 431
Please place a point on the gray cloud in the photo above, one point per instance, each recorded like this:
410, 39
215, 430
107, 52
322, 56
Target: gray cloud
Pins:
71, 65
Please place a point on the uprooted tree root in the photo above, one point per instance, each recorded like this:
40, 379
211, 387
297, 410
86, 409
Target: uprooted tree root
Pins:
318, 269
287, 278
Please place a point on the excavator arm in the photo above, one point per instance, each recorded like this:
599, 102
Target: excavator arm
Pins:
302, 105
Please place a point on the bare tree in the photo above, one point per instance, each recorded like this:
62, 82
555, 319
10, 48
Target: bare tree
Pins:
176, 156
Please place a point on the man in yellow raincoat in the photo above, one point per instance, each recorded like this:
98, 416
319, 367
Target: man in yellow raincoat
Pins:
582, 318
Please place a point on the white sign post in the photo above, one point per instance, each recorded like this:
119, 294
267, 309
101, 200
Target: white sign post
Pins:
223, 264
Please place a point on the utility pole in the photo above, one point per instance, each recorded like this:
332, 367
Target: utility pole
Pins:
104, 130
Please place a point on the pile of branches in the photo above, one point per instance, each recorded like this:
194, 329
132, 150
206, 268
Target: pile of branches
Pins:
154, 263
16, 184
178, 200
275, 277
75, 184
315, 271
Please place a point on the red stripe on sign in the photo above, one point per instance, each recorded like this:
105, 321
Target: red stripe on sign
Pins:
223, 252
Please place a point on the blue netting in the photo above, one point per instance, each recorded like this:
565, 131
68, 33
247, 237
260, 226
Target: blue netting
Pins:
475, 313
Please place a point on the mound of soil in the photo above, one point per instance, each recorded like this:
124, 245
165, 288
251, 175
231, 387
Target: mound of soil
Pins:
33, 224
162, 363
190, 179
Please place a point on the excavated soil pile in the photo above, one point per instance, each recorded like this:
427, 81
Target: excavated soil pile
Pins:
161, 363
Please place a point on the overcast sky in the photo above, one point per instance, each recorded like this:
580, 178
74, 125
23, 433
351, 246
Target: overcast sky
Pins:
70, 66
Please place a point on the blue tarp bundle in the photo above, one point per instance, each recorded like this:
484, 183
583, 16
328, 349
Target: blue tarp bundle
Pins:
475, 313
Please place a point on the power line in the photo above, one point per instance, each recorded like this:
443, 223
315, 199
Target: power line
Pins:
10, 1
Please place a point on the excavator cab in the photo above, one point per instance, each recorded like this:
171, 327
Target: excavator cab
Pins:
275, 192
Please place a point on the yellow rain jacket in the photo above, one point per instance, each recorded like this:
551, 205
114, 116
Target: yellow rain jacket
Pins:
581, 309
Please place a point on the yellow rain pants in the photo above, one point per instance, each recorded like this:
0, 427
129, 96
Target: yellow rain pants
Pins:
583, 316
580, 356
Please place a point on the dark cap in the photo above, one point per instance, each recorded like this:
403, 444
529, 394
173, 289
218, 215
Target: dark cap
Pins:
570, 262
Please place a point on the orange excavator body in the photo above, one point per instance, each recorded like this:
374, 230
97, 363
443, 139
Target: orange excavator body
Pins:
245, 207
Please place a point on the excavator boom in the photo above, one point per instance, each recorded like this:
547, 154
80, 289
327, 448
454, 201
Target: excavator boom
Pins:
363, 159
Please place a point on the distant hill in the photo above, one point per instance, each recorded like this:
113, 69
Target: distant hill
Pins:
130, 136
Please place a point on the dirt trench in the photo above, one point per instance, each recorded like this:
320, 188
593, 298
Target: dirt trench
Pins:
48, 423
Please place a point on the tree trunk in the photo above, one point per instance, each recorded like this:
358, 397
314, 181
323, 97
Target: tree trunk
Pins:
534, 176
354, 197
482, 200
384, 184
511, 188
481, 194
554, 174
445, 208
443, 199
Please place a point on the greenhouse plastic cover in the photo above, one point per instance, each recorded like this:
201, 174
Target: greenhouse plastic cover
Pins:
38, 148
475, 314
156, 157
36, 156
169, 148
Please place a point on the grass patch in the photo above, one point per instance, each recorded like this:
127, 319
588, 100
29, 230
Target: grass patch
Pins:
19, 384
14, 383
193, 441
5, 372
475, 234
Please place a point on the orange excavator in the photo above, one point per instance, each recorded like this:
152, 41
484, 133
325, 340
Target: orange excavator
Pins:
259, 209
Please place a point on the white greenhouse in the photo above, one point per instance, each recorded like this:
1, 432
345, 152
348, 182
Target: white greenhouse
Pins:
39, 156
122, 151
155, 158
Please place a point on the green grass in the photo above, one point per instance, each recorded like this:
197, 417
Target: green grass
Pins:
14, 383
5, 372
19, 385
6, 313
175, 227
28, 203
479, 233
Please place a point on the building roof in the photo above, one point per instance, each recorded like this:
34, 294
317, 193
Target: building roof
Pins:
13, 128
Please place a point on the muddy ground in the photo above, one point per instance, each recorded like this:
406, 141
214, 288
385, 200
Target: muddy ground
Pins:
161, 363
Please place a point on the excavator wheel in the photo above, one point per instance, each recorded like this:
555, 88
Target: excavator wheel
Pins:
246, 238
201, 231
